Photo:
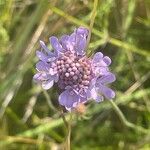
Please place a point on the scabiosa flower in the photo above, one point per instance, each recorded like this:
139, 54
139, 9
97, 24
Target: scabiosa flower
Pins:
79, 77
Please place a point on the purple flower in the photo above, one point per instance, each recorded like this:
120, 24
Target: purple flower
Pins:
79, 77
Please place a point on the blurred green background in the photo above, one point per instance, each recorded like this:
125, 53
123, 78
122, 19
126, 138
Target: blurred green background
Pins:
121, 31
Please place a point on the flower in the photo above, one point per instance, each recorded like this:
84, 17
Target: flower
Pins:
79, 77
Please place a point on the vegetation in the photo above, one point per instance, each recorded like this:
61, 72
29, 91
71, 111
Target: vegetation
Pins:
30, 117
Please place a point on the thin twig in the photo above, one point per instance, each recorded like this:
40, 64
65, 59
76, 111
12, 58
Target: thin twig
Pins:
29, 108
48, 100
92, 22
137, 84
126, 122
17, 139
68, 127
68, 139
63, 116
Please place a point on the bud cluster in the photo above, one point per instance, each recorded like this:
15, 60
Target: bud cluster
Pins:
74, 71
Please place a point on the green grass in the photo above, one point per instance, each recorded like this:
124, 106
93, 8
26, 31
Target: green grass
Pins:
30, 117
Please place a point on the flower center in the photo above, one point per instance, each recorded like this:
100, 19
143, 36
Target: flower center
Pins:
74, 71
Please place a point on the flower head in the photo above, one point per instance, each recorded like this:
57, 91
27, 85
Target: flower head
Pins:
79, 77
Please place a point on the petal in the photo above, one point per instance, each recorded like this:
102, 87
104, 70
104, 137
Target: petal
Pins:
109, 78
99, 71
100, 61
55, 44
92, 83
76, 42
45, 48
36, 77
48, 84
107, 60
42, 56
108, 93
80, 45
83, 31
41, 66
70, 44
45, 58
97, 57
64, 40
50, 59
80, 40
83, 99
39, 77
68, 98
83, 95
94, 95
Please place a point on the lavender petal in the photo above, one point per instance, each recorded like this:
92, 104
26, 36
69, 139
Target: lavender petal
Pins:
64, 40
100, 71
97, 57
107, 60
55, 44
94, 95
41, 66
43, 57
109, 78
68, 98
39, 77
45, 48
83, 31
108, 93
47, 84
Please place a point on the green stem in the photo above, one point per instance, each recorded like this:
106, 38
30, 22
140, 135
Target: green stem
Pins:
126, 122
15, 118
92, 21
68, 127
68, 145
48, 100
